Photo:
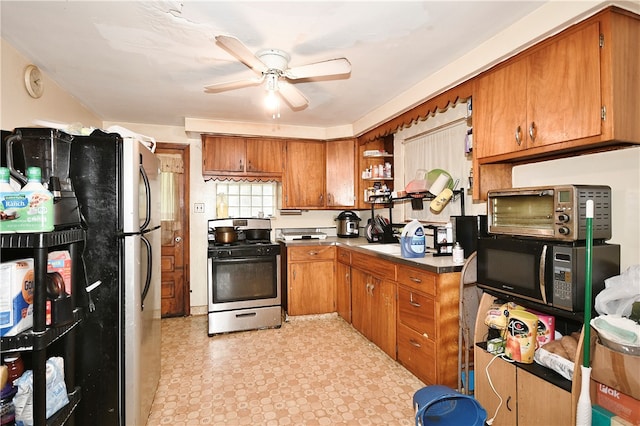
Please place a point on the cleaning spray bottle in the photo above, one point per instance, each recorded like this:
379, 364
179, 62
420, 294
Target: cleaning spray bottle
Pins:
412, 241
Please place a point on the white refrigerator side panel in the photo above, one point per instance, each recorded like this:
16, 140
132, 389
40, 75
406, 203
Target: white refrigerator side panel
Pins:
142, 325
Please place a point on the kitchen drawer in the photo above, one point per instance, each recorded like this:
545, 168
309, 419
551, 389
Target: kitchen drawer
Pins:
343, 256
374, 266
417, 311
417, 354
418, 279
310, 253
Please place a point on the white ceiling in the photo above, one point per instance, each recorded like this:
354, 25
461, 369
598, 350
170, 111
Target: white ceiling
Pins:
147, 62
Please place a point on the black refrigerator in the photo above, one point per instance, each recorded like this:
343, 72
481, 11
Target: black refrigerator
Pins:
117, 183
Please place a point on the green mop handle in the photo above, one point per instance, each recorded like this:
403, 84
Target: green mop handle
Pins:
586, 362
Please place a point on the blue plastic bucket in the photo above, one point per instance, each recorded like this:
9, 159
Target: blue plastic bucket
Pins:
443, 406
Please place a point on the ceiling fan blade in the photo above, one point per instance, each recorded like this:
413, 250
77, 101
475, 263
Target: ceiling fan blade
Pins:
242, 52
292, 96
318, 69
230, 85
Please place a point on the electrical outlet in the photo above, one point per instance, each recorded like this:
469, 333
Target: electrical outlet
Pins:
198, 207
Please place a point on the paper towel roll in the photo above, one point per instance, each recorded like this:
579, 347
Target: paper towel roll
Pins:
441, 183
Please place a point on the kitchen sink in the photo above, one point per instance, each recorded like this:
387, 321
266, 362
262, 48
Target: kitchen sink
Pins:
393, 249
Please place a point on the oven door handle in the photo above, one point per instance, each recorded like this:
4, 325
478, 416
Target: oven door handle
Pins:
542, 273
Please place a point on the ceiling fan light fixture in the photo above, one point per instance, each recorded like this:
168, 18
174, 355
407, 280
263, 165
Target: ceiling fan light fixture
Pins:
272, 101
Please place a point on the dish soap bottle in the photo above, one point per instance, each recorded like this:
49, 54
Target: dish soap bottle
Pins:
412, 241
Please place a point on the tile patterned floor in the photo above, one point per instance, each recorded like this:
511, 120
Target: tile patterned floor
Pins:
312, 371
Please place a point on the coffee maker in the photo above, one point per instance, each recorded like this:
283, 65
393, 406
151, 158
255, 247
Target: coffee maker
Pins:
49, 149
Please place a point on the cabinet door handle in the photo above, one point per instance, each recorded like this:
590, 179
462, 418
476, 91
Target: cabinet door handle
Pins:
414, 343
519, 135
532, 131
412, 302
508, 401
241, 167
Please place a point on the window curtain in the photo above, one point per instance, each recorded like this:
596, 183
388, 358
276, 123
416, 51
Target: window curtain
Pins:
171, 167
437, 143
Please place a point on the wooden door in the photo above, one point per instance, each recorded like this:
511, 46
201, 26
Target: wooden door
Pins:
563, 89
360, 300
340, 173
303, 185
343, 291
174, 161
383, 316
223, 154
503, 376
499, 110
265, 155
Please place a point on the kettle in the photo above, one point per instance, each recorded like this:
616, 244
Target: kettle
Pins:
348, 224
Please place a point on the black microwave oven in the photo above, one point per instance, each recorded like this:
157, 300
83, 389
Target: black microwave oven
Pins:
548, 273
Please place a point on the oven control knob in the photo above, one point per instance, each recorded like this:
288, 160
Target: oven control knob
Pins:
564, 230
563, 217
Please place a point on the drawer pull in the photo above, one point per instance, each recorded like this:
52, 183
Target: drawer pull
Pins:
412, 302
426, 335
416, 280
414, 343
313, 253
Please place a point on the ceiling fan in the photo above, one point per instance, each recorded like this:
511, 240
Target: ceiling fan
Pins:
272, 67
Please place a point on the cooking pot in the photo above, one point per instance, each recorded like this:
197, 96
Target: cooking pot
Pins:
348, 224
258, 234
226, 235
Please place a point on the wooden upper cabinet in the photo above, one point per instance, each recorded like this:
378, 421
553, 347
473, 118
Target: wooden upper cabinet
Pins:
242, 157
222, 154
551, 95
265, 155
303, 186
340, 173
575, 92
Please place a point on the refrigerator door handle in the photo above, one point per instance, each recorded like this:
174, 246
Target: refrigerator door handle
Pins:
147, 190
147, 281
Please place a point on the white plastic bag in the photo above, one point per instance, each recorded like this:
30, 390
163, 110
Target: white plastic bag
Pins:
619, 293
56, 392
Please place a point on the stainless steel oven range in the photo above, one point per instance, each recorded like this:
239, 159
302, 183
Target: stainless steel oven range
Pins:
243, 278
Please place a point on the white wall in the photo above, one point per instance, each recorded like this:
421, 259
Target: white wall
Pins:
19, 109
618, 169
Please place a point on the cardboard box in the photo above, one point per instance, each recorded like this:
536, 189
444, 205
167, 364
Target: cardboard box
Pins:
546, 327
616, 370
16, 296
618, 403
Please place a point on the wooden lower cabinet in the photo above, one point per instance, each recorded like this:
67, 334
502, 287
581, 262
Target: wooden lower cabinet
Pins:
311, 287
543, 404
527, 400
373, 302
428, 324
